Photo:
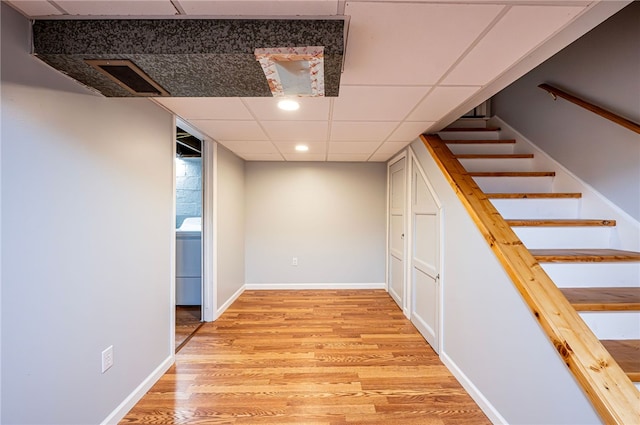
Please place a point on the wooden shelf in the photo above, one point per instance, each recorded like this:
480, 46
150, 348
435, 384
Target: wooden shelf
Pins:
533, 195
603, 299
561, 223
512, 174
583, 255
494, 156
626, 352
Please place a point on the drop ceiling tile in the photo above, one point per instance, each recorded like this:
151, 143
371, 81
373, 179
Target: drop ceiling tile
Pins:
230, 130
311, 109
260, 7
299, 131
261, 157
373, 131
33, 8
381, 157
409, 131
369, 103
304, 156
402, 43
353, 147
118, 8
348, 157
289, 147
440, 101
499, 49
249, 146
390, 148
212, 108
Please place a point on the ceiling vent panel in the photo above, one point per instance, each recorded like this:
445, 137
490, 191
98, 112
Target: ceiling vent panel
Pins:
126, 74
189, 57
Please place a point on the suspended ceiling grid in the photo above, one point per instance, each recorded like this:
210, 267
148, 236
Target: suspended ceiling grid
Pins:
409, 67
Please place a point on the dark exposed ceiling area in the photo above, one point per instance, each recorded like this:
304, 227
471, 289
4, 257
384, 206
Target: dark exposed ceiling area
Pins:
187, 145
183, 57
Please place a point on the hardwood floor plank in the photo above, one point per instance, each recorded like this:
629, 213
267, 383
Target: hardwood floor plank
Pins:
308, 357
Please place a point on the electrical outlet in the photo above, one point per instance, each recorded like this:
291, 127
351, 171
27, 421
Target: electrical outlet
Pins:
107, 358
294, 261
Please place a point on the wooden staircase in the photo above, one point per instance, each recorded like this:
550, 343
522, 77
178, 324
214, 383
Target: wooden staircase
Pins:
551, 228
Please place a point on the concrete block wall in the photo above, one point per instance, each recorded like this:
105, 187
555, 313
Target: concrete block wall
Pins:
188, 188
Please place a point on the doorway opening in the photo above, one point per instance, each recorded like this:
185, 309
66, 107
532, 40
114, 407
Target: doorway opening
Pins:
189, 193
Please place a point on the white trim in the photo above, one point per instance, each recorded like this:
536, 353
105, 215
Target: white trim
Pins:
209, 276
287, 286
214, 218
492, 413
228, 303
135, 396
172, 246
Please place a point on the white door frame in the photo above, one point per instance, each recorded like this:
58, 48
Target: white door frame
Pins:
209, 202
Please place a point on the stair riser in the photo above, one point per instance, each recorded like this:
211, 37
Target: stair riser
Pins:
481, 148
514, 184
469, 135
564, 237
537, 208
497, 164
589, 275
613, 324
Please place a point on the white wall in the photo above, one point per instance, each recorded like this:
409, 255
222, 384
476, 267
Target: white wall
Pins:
603, 67
331, 216
230, 187
87, 229
490, 339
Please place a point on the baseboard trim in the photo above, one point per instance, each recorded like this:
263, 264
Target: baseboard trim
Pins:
272, 286
492, 413
230, 301
139, 392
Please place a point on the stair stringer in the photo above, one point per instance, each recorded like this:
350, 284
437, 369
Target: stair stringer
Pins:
592, 204
490, 340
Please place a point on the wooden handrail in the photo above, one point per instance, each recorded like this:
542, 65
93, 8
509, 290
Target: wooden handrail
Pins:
611, 392
635, 127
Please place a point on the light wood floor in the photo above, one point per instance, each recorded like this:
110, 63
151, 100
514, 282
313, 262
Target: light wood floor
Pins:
308, 357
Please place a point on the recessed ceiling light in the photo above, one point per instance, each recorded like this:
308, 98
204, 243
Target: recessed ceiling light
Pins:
302, 148
288, 105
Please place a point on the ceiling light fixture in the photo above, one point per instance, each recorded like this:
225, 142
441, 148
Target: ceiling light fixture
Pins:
302, 148
288, 105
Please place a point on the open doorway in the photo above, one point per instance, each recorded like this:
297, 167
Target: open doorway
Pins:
189, 192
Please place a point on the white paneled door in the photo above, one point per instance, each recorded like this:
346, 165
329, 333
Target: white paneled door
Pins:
425, 259
397, 206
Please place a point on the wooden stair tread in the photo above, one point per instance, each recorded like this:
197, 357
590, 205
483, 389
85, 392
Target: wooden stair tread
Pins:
451, 129
494, 156
584, 255
512, 174
479, 142
533, 195
603, 299
626, 352
561, 223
